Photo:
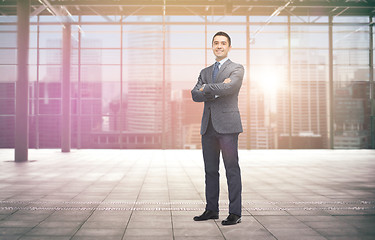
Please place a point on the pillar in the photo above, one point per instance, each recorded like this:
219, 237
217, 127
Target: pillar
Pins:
22, 84
66, 99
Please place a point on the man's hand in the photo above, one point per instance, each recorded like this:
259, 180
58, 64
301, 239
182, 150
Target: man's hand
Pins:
227, 80
201, 89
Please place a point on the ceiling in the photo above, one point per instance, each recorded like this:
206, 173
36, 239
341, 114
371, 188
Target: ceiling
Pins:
195, 7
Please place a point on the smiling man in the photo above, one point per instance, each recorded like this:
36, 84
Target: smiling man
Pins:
218, 87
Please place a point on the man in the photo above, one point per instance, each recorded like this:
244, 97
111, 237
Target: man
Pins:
218, 87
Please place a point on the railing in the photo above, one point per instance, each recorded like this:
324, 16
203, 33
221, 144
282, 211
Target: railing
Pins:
123, 140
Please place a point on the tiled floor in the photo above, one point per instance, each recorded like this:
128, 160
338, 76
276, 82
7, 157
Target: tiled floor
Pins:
154, 194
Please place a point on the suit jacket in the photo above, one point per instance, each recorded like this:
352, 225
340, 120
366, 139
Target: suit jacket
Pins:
220, 99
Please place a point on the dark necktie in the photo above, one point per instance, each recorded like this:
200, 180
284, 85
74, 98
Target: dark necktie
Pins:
215, 71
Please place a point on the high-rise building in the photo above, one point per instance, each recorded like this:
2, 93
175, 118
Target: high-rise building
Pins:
352, 110
86, 113
309, 100
186, 120
261, 126
148, 82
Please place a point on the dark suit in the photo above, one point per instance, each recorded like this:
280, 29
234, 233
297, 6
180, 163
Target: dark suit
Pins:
221, 124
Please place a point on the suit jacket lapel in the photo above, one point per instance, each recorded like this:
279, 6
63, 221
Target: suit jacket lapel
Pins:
211, 69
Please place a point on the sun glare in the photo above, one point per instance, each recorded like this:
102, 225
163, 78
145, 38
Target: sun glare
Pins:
269, 82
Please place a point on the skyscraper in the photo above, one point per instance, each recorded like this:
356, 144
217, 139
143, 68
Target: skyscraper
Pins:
352, 116
309, 98
148, 86
261, 127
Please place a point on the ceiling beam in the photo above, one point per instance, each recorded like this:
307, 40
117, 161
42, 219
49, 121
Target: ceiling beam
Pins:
198, 7
204, 3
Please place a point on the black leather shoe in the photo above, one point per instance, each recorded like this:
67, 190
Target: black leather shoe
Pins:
231, 219
208, 214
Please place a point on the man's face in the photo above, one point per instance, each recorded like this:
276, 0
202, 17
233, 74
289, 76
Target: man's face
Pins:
220, 47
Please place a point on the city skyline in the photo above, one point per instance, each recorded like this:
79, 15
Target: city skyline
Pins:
134, 79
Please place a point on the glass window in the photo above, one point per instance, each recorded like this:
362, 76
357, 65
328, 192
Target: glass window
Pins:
8, 90
7, 128
143, 19
105, 18
187, 75
185, 19
269, 56
100, 56
258, 19
50, 73
309, 19
33, 40
8, 39
8, 18
132, 75
226, 19
33, 56
50, 39
350, 19
50, 56
7, 106
344, 73
8, 56
185, 56
351, 36
100, 73
101, 36
310, 56
185, 36
49, 106
271, 36
8, 73
32, 73
143, 56
49, 131
351, 84
351, 57
49, 90
237, 34
145, 36
309, 36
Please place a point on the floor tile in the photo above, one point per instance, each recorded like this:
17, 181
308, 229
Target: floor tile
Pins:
154, 194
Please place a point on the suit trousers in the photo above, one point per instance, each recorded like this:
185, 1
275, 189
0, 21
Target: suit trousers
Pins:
212, 143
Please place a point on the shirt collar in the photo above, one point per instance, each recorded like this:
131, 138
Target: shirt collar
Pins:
223, 61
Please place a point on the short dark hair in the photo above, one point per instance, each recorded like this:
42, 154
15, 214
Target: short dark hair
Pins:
222, 34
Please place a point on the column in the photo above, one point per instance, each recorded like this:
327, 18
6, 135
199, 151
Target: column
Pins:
22, 84
66, 100
330, 87
372, 87
290, 87
248, 89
